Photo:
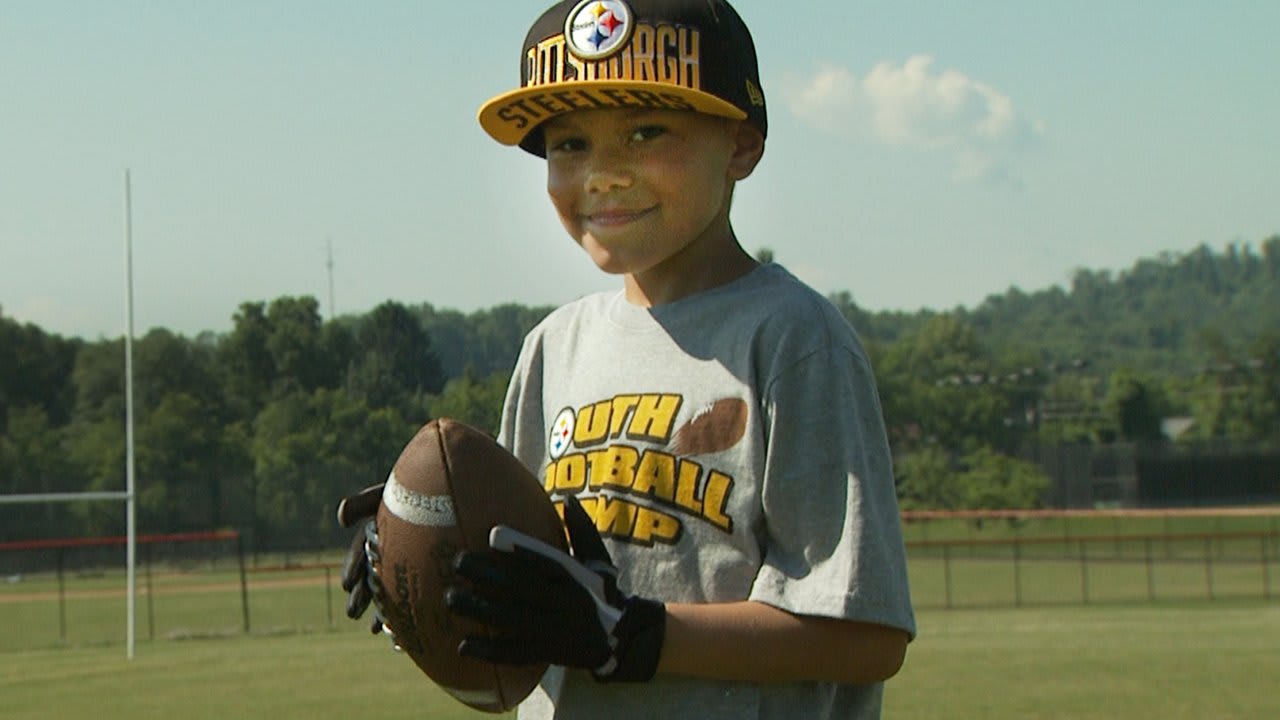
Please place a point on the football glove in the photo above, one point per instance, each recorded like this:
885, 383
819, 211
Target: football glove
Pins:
359, 578
544, 605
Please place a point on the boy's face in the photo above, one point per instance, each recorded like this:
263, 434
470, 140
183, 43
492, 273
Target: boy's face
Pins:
646, 191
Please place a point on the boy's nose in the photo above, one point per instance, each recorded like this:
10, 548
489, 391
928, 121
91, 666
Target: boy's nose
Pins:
605, 174
607, 180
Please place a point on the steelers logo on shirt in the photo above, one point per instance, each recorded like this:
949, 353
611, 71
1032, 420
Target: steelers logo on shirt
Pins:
596, 29
561, 437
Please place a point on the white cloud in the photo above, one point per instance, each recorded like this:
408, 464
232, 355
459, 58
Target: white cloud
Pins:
914, 104
826, 99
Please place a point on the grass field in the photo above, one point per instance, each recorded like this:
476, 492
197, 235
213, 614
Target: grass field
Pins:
1031, 633
1136, 662
1206, 660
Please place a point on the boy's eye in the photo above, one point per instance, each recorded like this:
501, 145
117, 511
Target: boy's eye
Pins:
647, 132
565, 144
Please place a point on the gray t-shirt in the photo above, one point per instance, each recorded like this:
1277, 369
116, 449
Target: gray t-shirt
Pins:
731, 446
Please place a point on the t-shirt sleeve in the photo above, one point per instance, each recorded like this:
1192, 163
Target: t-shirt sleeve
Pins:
521, 431
833, 539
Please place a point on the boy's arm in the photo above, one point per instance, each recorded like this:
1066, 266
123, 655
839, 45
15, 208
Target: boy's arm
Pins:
754, 642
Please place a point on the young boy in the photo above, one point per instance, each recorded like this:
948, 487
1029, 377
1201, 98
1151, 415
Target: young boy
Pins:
716, 418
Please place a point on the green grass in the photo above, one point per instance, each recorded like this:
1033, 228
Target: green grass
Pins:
321, 675
1163, 662
1092, 663
1016, 645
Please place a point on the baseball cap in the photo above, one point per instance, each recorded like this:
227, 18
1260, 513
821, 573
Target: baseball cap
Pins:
692, 55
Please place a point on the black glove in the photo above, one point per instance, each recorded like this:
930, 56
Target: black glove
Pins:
359, 579
546, 606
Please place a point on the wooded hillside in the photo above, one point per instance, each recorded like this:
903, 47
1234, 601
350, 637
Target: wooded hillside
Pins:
264, 427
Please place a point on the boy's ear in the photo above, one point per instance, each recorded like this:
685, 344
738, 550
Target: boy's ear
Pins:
747, 151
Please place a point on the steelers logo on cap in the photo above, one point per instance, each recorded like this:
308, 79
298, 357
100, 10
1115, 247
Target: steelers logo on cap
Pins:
596, 29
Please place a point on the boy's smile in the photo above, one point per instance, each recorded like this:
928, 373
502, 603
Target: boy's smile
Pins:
646, 194
609, 217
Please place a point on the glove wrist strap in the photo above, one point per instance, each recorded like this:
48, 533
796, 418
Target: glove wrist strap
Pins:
639, 635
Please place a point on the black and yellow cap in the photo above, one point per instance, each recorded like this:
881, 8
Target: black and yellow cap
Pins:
694, 55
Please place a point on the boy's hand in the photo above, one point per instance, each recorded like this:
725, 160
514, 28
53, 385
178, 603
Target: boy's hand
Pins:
546, 606
359, 579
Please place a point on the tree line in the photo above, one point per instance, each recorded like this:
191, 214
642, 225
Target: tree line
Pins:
262, 428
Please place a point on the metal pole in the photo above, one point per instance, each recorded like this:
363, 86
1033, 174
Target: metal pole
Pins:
151, 593
1084, 573
62, 599
328, 594
1017, 572
131, 498
1208, 565
244, 582
1266, 570
1151, 577
946, 572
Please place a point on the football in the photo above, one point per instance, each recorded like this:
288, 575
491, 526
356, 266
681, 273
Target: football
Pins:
450, 485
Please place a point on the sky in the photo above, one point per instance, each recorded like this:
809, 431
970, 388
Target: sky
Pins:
920, 154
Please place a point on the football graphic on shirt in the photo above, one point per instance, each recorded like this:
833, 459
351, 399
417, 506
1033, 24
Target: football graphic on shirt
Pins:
715, 428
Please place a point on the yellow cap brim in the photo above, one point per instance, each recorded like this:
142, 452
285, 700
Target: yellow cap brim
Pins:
511, 116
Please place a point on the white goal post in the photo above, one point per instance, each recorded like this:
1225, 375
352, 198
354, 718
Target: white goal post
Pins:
131, 544
129, 496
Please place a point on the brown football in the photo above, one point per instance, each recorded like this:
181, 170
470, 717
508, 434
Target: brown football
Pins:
451, 484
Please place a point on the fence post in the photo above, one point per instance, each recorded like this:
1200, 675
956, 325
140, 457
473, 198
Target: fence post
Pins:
151, 611
1151, 572
1017, 572
62, 598
1208, 565
244, 582
328, 595
1266, 567
1084, 573
946, 572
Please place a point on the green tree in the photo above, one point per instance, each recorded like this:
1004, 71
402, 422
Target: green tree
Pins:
499, 333
295, 342
927, 481
1238, 395
246, 364
487, 340
992, 481
1069, 410
32, 460
183, 461
1263, 412
1134, 407
396, 365
96, 451
309, 449
450, 335
165, 363
474, 401
35, 370
97, 379
938, 380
